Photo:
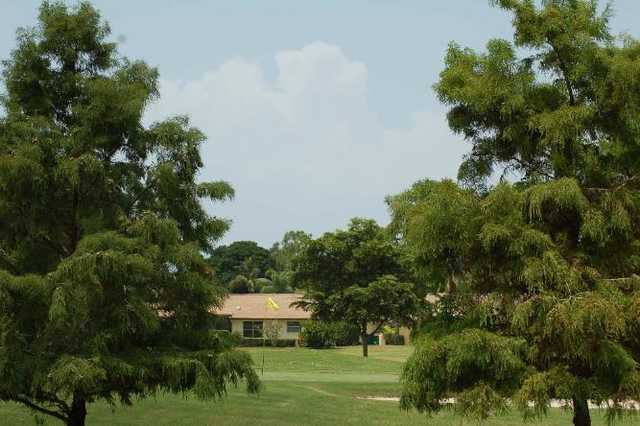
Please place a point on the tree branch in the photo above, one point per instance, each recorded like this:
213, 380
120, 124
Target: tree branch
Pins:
615, 188
376, 329
26, 401
537, 167
565, 72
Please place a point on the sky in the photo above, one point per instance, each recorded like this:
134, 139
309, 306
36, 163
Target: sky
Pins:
314, 110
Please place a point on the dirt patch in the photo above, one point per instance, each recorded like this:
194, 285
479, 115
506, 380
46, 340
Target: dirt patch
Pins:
555, 403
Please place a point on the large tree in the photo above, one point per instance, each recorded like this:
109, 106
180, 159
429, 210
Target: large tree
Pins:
357, 276
245, 258
541, 274
104, 293
283, 252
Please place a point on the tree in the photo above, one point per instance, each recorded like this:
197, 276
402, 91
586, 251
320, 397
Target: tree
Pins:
104, 292
241, 257
272, 332
546, 292
239, 285
284, 252
355, 276
280, 281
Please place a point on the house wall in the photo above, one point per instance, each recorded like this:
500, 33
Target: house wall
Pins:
236, 326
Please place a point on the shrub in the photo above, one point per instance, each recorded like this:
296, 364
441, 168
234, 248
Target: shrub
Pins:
324, 334
393, 339
217, 322
269, 288
260, 283
346, 334
255, 342
239, 285
272, 332
318, 334
227, 338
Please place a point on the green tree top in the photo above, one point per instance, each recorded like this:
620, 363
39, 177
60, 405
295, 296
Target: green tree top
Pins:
356, 275
542, 274
241, 258
561, 111
104, 293
283, 252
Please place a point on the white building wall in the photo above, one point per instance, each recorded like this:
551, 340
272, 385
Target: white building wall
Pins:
236, 326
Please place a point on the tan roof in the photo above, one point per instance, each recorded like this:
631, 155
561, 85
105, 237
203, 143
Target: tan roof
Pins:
255, 306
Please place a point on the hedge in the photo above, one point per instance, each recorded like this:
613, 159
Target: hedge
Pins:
393, 339
254, 342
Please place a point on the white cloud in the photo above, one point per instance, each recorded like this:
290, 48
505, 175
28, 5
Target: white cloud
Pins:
304, 150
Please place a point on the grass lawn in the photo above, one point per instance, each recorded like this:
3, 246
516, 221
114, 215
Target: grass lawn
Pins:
302, 387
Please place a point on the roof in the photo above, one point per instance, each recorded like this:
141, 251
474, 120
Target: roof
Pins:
256, 306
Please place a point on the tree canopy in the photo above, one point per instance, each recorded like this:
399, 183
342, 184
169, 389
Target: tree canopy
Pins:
283, 252
541, 274
356, 275
245, 258
104, 292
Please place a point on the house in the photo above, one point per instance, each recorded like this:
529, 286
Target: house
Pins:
252, 314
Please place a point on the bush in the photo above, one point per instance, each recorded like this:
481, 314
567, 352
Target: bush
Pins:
280, 343
269, 288
318, 334
272, 332
218, 322
346, 334
393, 339
324, 334
239, 285
222, 339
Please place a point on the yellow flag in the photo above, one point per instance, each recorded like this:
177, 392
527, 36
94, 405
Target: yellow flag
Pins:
271, 304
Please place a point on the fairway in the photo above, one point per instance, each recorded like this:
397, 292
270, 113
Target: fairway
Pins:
302, 387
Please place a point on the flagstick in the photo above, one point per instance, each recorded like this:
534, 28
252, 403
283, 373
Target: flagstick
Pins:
272, 305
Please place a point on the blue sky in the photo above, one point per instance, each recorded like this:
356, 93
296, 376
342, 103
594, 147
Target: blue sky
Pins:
315, 110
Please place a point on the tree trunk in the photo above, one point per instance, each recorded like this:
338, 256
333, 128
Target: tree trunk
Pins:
78, 412
365, 344
581, 416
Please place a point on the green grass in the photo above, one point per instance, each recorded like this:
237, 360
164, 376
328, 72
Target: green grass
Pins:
302, 387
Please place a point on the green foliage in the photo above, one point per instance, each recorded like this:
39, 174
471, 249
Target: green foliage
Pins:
268, 289
245, 258
279, 343
353, 276
393, 339
545, 269
240, 285
346, 334
279, 282
318, 334
103, 286
326, 334
272, 332
285, 251
469, 365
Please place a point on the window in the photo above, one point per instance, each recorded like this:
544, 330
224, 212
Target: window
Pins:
252, 328
293, 327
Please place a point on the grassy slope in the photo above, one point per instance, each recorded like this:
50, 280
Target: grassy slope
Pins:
301, 387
